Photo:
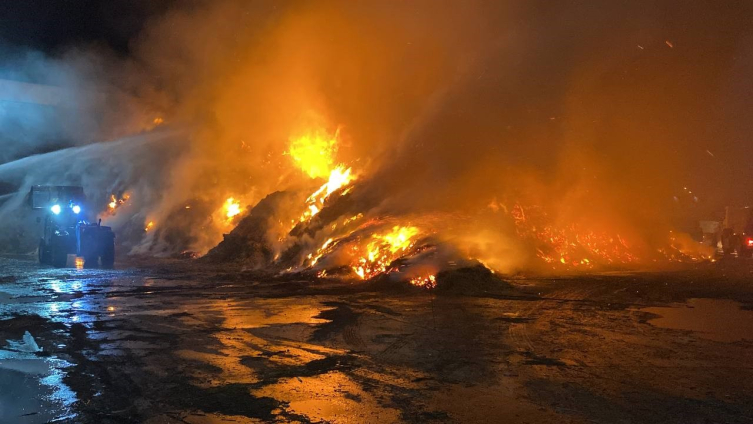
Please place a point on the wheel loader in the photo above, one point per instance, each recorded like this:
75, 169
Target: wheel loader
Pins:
67, 229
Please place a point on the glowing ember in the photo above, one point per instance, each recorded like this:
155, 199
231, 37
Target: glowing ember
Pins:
232, 208
570, 246
314, 153
428, 282
149, 226
682, 248
383, 249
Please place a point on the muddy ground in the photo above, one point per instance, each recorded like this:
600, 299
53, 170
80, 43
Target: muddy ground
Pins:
173, 342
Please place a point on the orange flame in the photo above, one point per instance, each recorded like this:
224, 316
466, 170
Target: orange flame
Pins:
314, 153
384, 249
338, 178
116, 203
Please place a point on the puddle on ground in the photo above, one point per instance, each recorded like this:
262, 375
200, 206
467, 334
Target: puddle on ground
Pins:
713, 319
32, 389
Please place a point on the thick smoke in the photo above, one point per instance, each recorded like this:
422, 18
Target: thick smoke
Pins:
451, 113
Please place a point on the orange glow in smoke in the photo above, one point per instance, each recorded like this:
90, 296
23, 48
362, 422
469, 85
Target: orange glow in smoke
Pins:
314, 153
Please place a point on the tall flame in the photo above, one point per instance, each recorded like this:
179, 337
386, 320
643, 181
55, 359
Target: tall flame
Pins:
314, 153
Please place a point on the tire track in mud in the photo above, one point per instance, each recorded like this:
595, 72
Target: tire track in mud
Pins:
518, 331
352, 336
393, 349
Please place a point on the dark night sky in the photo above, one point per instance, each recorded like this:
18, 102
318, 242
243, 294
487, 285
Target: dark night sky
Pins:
49, 25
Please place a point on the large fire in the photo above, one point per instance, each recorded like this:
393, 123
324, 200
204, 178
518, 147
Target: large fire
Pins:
314, 154
366, 245
344, 156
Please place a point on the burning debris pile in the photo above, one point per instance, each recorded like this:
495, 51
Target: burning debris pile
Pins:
383, 152
352, 245
334, 234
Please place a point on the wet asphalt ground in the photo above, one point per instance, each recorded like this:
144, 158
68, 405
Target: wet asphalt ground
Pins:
175, 342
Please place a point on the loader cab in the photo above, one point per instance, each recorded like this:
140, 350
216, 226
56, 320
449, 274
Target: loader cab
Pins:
57, 200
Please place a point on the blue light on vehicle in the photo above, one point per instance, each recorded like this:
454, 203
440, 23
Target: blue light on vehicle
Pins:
76, 208
55, 209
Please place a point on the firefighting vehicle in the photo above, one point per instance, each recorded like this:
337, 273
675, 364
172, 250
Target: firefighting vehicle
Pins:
737, 232
66, 229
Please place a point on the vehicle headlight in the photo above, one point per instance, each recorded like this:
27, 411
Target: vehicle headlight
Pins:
55, 209
76, 208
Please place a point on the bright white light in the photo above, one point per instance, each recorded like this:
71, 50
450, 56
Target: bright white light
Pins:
76, 208
55, 209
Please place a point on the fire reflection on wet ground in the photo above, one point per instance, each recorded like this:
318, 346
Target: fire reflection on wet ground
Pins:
209, 347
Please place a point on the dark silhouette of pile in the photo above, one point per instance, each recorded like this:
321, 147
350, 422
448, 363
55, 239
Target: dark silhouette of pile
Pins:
247, 242
470, 280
